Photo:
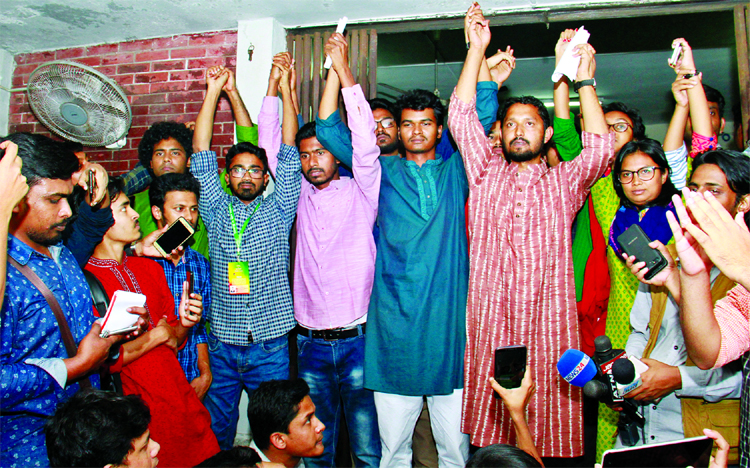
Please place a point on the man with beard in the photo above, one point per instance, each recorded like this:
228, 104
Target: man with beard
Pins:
37, 372
251, 309
521, 288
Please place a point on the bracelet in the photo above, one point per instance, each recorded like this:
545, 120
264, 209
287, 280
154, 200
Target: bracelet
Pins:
690, 75
580, 84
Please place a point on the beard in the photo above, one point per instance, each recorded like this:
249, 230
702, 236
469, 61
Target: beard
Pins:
47, 237
522, 156
389, 148
247, 194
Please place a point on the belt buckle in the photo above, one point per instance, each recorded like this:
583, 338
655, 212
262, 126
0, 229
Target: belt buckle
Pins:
330, 335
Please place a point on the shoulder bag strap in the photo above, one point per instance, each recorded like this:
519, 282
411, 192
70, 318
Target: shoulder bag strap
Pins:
62, 323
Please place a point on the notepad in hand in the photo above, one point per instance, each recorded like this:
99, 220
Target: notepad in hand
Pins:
118, 320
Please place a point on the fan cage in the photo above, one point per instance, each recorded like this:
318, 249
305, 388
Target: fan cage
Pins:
79, 87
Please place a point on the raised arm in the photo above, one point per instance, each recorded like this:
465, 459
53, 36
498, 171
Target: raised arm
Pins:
269, 130
241, 116
565, 136
216, 78
479, 38
13, 188
289, 124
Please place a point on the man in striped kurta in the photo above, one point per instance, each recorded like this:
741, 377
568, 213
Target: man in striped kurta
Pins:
521, 287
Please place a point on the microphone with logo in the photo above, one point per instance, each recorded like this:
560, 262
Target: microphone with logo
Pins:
580, 370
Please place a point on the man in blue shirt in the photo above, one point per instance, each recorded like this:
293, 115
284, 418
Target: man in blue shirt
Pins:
173, 196
37, 373
251, 309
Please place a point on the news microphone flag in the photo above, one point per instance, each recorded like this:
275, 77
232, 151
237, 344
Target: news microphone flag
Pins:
576, 367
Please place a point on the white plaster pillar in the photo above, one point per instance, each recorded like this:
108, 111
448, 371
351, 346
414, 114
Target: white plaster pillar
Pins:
7, 65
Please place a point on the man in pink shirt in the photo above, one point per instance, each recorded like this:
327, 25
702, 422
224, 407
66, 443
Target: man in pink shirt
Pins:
335, 259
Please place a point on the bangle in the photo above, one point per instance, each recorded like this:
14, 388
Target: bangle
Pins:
580, 84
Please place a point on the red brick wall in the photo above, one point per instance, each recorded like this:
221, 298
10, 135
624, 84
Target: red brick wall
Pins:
163, 79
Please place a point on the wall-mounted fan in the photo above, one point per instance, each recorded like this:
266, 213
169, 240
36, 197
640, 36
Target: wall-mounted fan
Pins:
79, 103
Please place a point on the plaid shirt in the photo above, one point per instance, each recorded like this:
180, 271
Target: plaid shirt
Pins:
136, 180
196, 263
265, 313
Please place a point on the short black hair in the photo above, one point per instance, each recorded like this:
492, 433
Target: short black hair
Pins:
308, 130
73, 146
652, 149
235, 457
378, 103
639, 129
713, 95
172, 182
245, 147
501, 456
95, 428
419, 100
736, 168
115, 187
273, 406
163, 131
529, 100
43, 157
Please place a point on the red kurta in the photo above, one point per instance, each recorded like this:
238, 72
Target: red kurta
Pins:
179, 421
521, 286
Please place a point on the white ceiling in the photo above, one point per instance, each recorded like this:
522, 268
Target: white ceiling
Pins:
36, 25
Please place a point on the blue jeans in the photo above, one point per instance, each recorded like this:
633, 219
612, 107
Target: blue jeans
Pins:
235, 368
334, 370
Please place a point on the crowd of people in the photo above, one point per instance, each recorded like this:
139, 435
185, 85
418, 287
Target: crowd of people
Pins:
402, 244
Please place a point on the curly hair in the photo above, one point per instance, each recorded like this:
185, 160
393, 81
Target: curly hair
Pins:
163, 131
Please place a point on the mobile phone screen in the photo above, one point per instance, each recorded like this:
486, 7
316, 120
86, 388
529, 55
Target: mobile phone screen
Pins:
510, 365
175, 236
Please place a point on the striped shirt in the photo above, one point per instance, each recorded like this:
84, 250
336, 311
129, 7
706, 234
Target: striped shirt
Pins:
521, 286
733, 315
197, 264
266, 312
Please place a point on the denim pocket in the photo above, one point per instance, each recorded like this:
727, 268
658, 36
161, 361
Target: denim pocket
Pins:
275, 345
213, 343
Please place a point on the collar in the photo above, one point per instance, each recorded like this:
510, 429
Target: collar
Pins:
106, 262
334, 186
22, 252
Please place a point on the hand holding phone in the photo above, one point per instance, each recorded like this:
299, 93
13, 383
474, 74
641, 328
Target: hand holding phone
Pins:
634, 242
177, 234
510, 366
676, 58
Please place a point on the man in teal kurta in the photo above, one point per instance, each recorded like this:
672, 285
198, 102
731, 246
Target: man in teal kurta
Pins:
416, 331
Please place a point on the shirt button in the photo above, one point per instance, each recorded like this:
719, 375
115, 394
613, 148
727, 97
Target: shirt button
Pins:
676, 347
518, 204
518, 216
520, 190
653, 407
653, 437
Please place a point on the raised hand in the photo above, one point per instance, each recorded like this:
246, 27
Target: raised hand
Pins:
230, 85
681, 85
473, 13
563, 43
684, 63
479, 33
501, 65
13, 186
216, 77
726, 241
587, 67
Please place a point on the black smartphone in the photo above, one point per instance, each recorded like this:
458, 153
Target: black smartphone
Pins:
178, 233
695, 451
189, 279
634, 242
510, 365
91, 184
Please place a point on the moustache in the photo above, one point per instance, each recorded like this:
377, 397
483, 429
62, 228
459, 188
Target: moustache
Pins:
60, 224
520, 139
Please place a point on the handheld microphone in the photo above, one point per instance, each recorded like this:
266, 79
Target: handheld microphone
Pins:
605, 356
627, 374
576, 367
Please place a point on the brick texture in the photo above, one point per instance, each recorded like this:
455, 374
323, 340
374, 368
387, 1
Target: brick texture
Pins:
163, 79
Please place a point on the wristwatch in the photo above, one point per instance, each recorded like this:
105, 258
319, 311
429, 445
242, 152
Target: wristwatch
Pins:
580, 84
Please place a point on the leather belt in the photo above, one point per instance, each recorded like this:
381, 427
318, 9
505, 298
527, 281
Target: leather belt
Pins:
332, 334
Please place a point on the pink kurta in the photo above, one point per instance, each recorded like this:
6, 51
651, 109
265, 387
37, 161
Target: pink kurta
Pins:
521, 287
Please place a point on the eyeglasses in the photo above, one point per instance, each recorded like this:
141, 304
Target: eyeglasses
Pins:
644, 174
619, 127
386, 122
238, 172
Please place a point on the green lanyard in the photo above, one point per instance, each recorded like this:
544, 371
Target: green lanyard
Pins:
238, 236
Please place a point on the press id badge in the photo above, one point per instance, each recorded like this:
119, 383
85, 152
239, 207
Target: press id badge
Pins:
239, 278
